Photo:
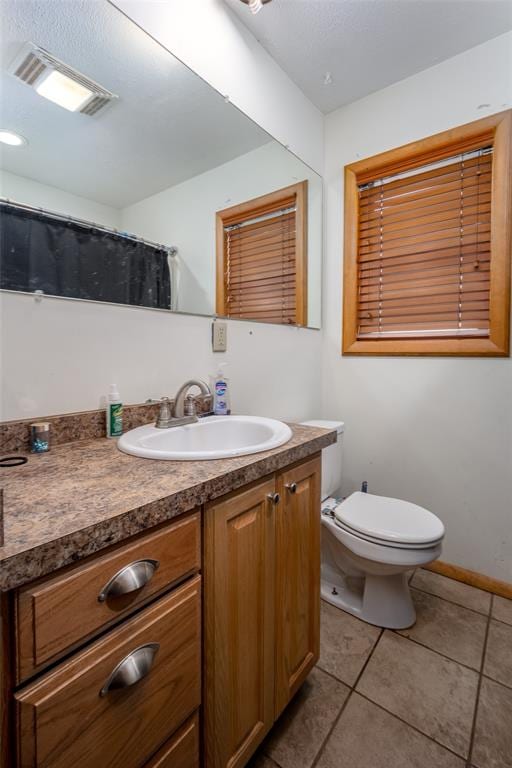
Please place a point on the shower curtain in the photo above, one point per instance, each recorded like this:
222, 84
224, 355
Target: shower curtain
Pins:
62, 257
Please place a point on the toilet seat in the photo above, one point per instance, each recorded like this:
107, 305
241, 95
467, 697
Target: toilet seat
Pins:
389, 522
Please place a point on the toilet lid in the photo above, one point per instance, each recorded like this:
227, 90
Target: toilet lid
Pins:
389, 520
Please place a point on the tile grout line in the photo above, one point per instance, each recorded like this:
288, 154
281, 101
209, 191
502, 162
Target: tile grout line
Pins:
409, 725
479, 686
393, 714
340, 713
443, 655
498, 682
352, 688
452, 602
421, 645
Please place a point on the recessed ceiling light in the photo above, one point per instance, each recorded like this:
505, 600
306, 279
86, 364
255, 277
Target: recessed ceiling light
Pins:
58, 82
12, 139
255, 6
64, 91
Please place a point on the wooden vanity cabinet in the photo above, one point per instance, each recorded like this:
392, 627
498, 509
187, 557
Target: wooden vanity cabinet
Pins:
262, 607
74, 637
56, 613
182, 751
297, 579
117, 701
239, 623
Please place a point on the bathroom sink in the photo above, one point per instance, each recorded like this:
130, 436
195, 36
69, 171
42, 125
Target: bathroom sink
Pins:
213, 437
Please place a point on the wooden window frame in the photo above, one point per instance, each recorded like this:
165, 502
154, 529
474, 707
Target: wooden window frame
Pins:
495, 130
259, 206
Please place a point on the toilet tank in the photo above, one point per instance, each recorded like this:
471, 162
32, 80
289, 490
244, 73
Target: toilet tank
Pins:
331, 457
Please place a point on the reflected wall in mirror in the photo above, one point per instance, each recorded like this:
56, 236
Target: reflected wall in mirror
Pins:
117, 196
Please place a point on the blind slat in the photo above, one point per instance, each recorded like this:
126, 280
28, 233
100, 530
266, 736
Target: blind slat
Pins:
260, 268
430, 195
475, 241
386, 235
418, 218
429, 180
406, 211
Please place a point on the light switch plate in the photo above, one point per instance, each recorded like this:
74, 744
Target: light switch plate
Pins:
219, 336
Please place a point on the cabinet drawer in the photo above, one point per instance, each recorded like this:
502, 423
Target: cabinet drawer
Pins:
113, 704
56, 613
182, 751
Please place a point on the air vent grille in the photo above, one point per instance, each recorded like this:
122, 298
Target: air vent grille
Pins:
94, 105
33, 62
30, 69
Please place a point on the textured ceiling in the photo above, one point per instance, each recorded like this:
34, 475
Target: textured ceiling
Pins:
368, 44
167, 126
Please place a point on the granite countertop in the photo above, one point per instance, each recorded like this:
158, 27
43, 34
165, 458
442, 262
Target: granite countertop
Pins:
83, 496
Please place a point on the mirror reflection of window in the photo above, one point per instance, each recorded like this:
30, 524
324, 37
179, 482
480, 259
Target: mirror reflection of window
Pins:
262, 258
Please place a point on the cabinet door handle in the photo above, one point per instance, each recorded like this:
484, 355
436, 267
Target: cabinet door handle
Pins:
132, 668
292, 487
274, 498
129, 579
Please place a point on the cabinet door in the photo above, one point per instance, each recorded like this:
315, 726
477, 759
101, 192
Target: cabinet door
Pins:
297, 578
239, 624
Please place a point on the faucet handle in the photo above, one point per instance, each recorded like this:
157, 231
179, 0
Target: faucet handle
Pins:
165, 414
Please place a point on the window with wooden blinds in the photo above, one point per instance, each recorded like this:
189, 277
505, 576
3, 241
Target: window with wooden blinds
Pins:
427, 245
424, 250
261, 258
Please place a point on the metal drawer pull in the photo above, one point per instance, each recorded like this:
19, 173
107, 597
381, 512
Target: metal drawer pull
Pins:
132, 668
274, 498
292, 487
129, 579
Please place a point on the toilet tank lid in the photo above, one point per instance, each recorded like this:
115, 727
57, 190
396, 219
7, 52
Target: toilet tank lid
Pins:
339, 426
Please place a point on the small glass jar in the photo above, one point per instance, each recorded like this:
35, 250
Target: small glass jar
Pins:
40, 437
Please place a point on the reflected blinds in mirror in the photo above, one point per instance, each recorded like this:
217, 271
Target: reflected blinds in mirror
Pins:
262, 266
424, 250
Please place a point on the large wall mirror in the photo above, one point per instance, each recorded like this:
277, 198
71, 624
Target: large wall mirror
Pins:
137, 183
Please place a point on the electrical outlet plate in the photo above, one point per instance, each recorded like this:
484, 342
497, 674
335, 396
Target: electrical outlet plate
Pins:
219, 336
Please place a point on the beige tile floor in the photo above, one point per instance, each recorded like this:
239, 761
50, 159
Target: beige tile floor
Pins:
438, 695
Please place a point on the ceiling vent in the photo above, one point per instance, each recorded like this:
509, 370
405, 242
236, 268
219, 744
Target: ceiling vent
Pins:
34, 66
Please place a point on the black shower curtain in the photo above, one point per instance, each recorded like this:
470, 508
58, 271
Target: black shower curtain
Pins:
65, 258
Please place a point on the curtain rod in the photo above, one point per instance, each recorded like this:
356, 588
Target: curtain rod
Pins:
171, 249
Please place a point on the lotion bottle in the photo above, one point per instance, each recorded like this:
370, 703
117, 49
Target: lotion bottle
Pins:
114, 413
220, 393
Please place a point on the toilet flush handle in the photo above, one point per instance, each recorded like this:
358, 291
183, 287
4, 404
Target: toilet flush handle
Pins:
292, 487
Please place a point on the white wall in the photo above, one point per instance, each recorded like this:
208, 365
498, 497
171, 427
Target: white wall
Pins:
60, 356
209, 39
30, 192
184, 216
435, 431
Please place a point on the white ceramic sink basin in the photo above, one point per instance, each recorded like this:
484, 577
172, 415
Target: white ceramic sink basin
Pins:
214, 437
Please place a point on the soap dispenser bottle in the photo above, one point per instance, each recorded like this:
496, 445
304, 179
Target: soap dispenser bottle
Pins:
220, 393
114, 413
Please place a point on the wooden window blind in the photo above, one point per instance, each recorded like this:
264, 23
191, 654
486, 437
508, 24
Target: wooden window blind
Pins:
428, 238
424, 250
261, 252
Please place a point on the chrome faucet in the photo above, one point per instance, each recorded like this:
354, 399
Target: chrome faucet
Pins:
183, 410
187, 407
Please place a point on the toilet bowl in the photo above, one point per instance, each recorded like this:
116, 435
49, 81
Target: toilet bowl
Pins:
370, 544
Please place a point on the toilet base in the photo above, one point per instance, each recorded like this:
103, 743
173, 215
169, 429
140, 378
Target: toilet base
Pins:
381, 600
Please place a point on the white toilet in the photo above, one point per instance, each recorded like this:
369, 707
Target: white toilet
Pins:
369, 546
